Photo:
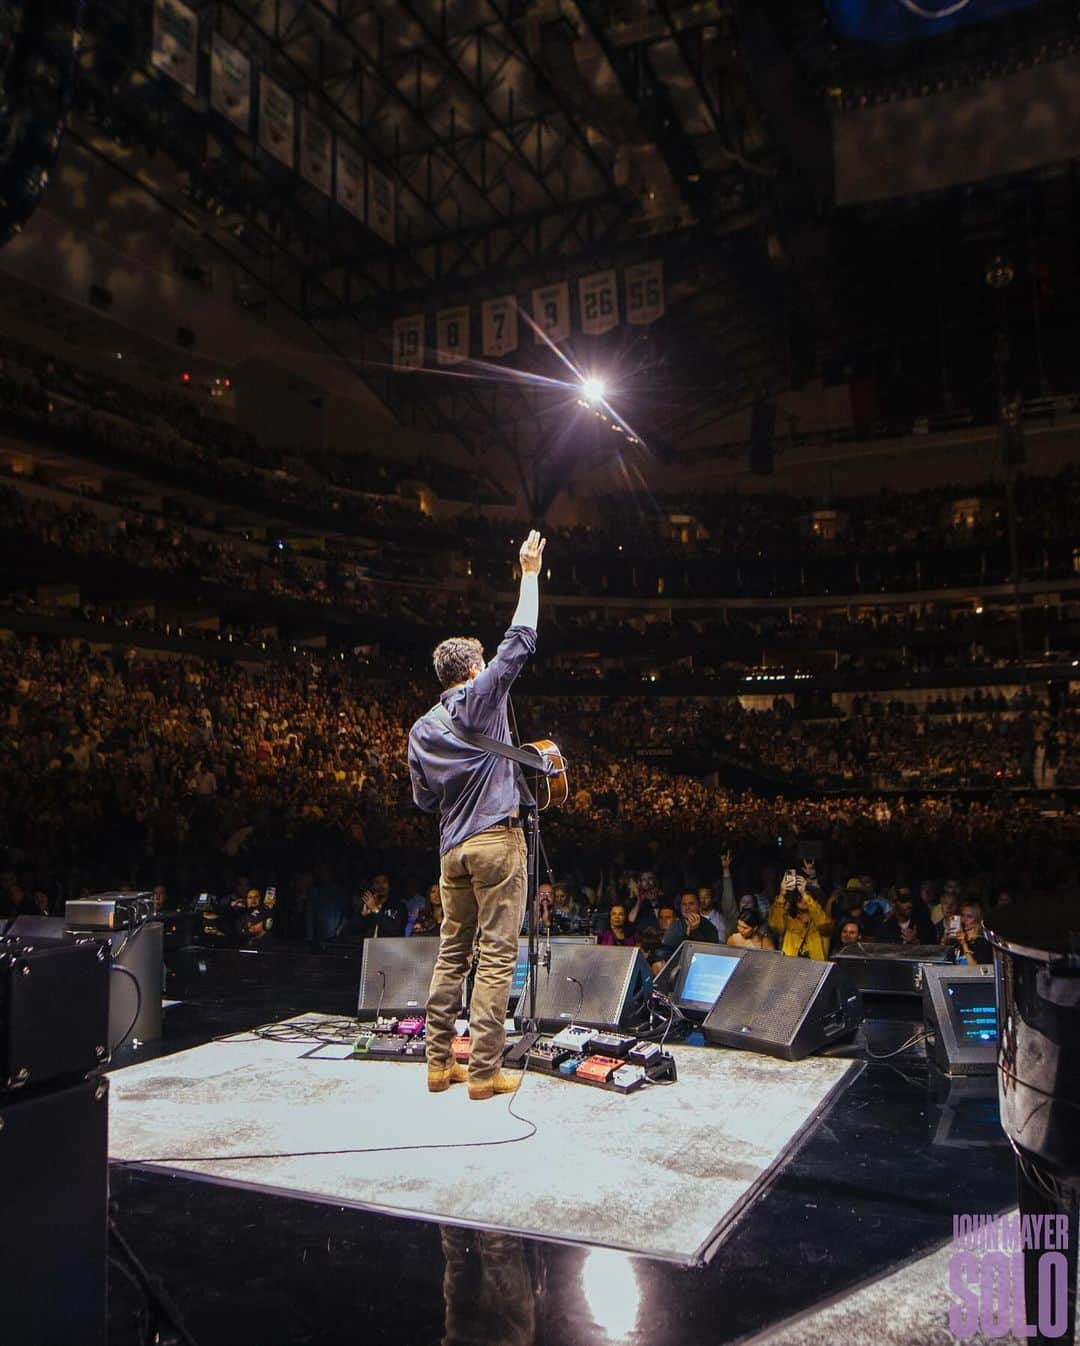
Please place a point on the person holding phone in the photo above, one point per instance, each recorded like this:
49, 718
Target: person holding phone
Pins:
482, 852
801, 925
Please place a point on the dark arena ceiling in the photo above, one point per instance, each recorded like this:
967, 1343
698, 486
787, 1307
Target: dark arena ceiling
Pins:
530, 143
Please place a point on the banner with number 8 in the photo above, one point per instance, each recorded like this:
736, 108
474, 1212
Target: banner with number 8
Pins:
452, 335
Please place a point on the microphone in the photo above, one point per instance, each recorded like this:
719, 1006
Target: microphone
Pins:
382, 995
581, 999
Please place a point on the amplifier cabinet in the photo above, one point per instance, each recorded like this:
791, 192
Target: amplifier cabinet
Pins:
53, 1237
54, 1011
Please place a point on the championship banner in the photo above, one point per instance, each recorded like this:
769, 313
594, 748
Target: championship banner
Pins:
408, 352
350, 179
175, 50
230, 83
644, 293
599, 300
499, 326
380, 204
551, 312
452, 336
277, 121
316, 152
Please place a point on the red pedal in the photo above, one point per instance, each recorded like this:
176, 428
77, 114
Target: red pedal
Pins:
461, 1048
597, 1069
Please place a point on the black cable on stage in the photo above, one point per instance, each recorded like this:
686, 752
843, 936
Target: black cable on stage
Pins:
154, 1292
298, 1035
911, 1042
115, 967
321, 1154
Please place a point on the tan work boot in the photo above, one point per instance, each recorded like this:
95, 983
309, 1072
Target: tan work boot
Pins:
498, 1084
442, 1077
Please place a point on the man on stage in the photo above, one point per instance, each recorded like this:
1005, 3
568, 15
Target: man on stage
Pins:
482, 850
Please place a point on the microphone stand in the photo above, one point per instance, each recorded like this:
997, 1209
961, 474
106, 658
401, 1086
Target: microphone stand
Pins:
517, 1054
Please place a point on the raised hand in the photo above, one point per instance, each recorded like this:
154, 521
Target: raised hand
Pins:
531, 554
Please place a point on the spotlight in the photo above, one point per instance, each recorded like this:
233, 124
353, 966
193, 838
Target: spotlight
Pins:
593, 389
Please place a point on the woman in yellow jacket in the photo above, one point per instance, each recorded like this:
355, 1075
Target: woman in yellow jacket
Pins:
801, 924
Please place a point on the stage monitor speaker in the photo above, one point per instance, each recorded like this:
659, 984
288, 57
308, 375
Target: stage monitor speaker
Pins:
53, 1237
889, 969
521, 967
54, 1008
595, 985
787, 1007
395, 975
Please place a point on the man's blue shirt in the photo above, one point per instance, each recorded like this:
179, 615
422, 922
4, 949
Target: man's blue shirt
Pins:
472, 787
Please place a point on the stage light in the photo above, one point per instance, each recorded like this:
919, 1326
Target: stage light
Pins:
612, 1292
593, 389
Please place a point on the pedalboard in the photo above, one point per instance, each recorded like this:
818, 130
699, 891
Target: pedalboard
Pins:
602, 1059
629, 1064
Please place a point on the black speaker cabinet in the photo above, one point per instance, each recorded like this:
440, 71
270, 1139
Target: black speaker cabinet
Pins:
54, 1010
53, 1174
889, 969
134, 1010
395, 975
787, 1007
595, 985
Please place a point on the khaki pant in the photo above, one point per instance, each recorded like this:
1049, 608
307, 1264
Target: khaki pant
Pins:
483, 883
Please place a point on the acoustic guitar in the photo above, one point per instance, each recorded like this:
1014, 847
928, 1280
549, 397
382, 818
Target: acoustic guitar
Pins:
554, 789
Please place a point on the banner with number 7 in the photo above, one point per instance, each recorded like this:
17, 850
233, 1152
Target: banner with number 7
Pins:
499, 326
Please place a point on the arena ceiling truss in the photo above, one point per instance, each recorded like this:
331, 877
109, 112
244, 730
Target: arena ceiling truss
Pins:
527, 143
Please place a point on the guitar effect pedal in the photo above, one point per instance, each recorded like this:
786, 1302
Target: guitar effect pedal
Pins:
362, 1045
548, 1055
577, 1039
411, 1028
461, 1048
628, 1078
388, 1047
568, 1068
597, 1069
386, 1025
643, 1052
611, 1044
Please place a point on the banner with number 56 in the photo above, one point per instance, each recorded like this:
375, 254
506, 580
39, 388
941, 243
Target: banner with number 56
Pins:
644, 296
452, 336
599, 300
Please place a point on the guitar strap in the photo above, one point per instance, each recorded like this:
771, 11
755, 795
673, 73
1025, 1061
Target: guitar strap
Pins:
532, 760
